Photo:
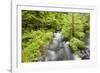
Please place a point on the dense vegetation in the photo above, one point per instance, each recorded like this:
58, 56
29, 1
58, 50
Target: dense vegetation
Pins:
38, 28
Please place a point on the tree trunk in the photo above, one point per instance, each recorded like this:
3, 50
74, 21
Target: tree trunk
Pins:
72, 24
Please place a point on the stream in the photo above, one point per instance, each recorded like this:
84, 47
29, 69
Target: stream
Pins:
59, 50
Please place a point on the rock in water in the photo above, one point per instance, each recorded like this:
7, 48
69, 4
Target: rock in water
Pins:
85, 53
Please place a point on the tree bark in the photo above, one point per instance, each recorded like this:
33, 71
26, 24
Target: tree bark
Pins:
72, 24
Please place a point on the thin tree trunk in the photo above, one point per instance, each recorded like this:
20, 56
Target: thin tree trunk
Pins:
72, 24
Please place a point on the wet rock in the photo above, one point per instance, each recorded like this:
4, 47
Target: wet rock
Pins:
85, 53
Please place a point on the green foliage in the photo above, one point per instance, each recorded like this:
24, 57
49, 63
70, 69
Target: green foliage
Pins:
76, 45
32, 42
38, 28
80, 35
66, 32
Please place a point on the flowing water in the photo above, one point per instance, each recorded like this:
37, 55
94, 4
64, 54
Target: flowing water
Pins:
58, 49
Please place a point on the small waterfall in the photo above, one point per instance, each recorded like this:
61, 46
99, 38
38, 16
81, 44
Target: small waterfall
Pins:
56, 42
68, 52
58, 49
